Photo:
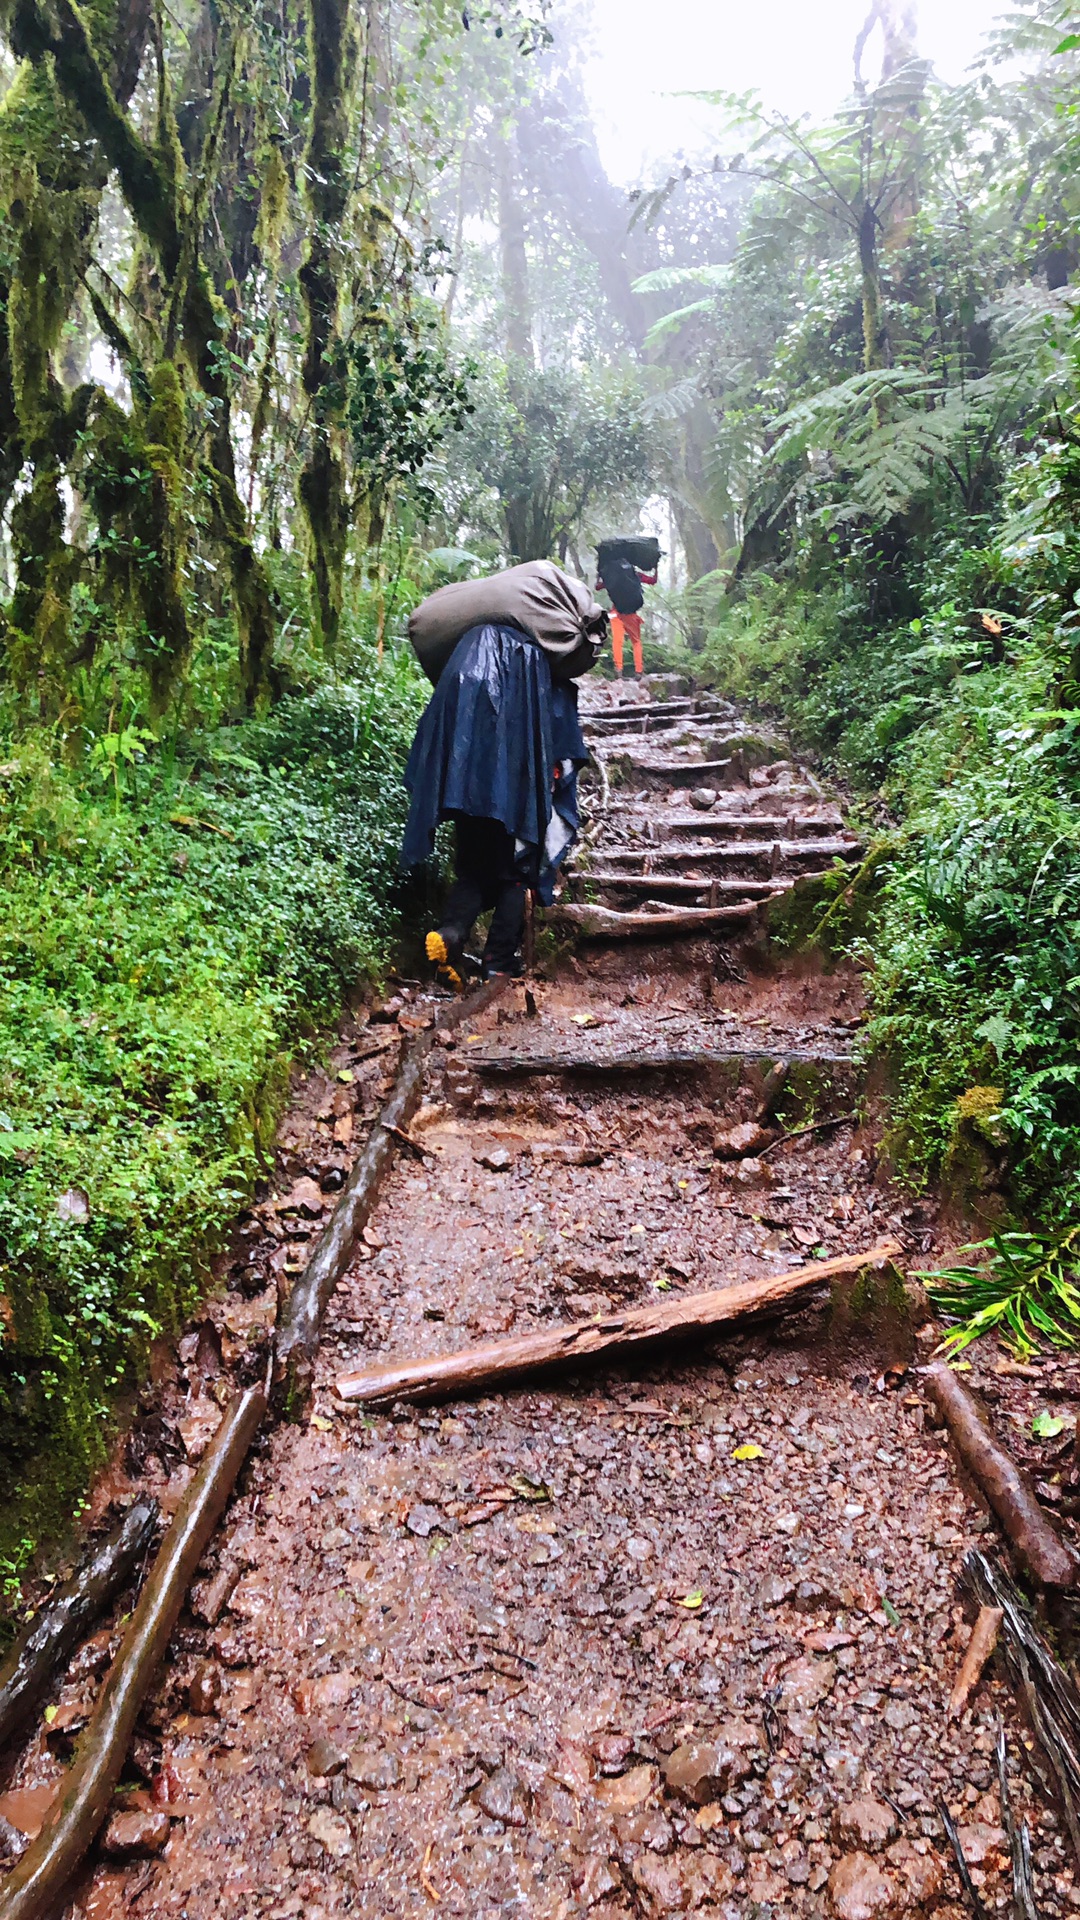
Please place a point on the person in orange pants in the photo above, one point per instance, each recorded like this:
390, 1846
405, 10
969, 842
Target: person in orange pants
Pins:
621, 625
622, 577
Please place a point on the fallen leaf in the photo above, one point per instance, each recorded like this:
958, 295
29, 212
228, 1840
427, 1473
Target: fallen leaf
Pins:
527, 1489
748, 1451
346, 1076
692, 1600
889, 1611
1047, 1426
321, 1425
50, 1715
583, 1019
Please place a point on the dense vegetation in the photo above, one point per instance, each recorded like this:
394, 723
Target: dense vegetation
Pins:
893, 360
307, 309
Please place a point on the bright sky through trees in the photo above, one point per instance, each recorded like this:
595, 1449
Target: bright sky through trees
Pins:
797, 56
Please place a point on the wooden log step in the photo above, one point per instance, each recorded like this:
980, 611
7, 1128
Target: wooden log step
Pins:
650, 721
618, 1066
656, 777
677, 708
479, 1368
757, 858
605, 923
678, 886
649, 857
757, 826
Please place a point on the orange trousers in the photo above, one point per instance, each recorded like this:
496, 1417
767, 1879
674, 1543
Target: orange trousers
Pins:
626, 623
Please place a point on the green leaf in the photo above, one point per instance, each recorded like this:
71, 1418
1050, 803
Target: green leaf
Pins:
1047, 1426
672, 321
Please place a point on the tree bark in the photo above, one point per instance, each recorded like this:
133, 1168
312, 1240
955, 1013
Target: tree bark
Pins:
875, 330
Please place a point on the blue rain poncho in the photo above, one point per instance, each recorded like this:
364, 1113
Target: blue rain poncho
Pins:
491, 739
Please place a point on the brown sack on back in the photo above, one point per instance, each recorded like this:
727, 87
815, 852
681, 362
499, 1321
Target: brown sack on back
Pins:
555, 610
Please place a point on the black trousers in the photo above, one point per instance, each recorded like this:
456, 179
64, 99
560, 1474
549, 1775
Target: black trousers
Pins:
488, 876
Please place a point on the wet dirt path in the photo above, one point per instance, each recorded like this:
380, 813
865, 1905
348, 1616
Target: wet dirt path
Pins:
675, 1639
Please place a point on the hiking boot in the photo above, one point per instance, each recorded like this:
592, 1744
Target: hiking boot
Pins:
515, 971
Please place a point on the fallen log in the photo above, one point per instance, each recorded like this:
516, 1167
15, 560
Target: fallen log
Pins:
995, 1472
604, 923
34, 1886
616, 1334
297, 1339
69, 1613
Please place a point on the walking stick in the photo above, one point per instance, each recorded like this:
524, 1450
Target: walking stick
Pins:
530, 930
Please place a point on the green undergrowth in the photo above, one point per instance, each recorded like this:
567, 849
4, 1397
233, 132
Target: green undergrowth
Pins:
175, 921
940, 691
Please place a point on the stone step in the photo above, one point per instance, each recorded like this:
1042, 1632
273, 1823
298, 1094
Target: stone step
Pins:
730, 760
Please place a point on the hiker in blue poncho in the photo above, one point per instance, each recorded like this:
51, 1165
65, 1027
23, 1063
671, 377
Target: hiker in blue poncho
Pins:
498, 749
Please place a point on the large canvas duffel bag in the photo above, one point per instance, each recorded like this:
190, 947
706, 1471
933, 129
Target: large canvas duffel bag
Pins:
642, 551
555, 610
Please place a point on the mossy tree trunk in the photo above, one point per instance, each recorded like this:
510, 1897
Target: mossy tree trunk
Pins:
322, 482
71, 87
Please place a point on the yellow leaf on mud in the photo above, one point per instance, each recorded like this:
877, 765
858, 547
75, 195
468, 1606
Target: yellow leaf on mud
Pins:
692, 1600
321, 1425
748, 1451
346, 1076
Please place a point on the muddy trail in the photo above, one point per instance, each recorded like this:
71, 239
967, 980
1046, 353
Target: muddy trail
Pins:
668, 1636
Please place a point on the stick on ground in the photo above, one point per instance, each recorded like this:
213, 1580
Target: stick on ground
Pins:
615, 1335
984, 1637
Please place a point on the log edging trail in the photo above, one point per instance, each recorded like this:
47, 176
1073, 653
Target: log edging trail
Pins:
35, 1884
1007, 1489
54, 1631
297, 1340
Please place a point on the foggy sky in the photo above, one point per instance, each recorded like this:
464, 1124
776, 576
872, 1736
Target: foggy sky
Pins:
796, 53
